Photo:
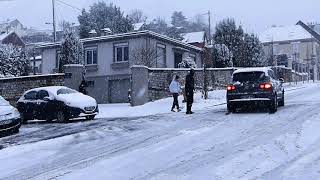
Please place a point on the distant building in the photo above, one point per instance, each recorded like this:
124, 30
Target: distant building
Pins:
11, 38
293, 46
10, 26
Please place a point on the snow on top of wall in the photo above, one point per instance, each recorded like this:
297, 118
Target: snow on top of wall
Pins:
284, 33
194, 37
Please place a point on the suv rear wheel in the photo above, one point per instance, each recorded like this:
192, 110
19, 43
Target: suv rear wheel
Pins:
281, 103
231, 108
273, 105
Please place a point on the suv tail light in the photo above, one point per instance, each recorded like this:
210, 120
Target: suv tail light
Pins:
231, 88
265, 86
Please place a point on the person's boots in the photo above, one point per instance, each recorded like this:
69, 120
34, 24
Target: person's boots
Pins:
188, 109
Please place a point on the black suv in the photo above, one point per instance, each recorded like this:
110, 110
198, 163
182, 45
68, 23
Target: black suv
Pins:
255, 85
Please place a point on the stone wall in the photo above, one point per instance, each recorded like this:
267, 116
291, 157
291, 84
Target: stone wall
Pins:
160, 79
12, 88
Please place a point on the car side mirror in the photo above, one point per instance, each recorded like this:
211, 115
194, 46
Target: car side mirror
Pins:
47, 98
281, 80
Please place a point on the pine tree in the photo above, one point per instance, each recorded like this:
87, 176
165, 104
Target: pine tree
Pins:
246, 48
221, 56
71, 49
178, 19
158, 25
102, 16
137, 16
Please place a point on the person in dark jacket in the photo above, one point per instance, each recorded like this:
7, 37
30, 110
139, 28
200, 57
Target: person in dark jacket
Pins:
189, 88
82, 87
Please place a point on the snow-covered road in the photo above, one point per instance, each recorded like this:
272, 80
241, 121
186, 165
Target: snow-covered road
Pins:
206, 145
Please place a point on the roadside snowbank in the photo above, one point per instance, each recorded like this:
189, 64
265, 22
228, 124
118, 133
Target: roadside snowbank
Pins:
162, 106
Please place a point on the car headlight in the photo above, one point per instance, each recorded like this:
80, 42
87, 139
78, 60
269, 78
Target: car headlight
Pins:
14, 115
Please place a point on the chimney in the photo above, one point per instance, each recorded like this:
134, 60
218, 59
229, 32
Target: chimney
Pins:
93, 33
106, 31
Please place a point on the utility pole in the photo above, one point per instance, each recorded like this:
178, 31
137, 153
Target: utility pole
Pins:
209, 18
54, 21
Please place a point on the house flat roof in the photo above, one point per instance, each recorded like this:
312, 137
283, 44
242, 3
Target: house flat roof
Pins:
122, 36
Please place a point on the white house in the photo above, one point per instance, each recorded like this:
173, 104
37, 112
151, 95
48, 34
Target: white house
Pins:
108, 60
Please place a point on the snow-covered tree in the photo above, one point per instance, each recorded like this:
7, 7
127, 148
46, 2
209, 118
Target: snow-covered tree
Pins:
246, 48
146, 56
187, 62
102, 16
158, 25
221, 56
71, 49
252, 53
137, 16
14, 61
178, 19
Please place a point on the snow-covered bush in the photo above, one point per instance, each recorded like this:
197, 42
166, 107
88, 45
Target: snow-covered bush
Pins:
14, 61
221, 56
187, 62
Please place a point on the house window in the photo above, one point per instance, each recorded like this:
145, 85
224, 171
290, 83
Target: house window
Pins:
161, 56
91, 56
121, 52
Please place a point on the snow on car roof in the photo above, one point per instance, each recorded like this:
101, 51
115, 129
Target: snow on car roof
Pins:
256, 69
50, 89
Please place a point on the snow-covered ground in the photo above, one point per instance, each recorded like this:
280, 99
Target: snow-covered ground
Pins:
162, 106
206, 145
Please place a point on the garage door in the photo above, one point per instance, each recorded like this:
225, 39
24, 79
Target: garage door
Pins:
119, 90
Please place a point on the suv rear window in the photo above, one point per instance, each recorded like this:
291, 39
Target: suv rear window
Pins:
249, 77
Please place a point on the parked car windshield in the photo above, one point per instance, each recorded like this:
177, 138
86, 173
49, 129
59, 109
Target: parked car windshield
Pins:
249, 77
3, 102
66, 91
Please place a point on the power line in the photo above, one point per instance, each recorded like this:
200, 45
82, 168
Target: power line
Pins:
67, 4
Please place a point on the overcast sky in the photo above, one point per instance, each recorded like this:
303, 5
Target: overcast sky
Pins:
254, 15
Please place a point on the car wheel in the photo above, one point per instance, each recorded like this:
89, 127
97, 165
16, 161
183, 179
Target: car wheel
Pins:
49, 118
90, 117
16, 130
281, 103
62, 117
24, 118
273, 107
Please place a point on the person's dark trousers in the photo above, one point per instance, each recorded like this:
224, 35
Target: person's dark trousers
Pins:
175, 101
189, 102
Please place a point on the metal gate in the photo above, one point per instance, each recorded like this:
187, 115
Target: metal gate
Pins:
119, 90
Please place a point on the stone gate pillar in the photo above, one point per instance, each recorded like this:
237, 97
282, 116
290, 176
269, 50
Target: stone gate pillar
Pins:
139, 85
